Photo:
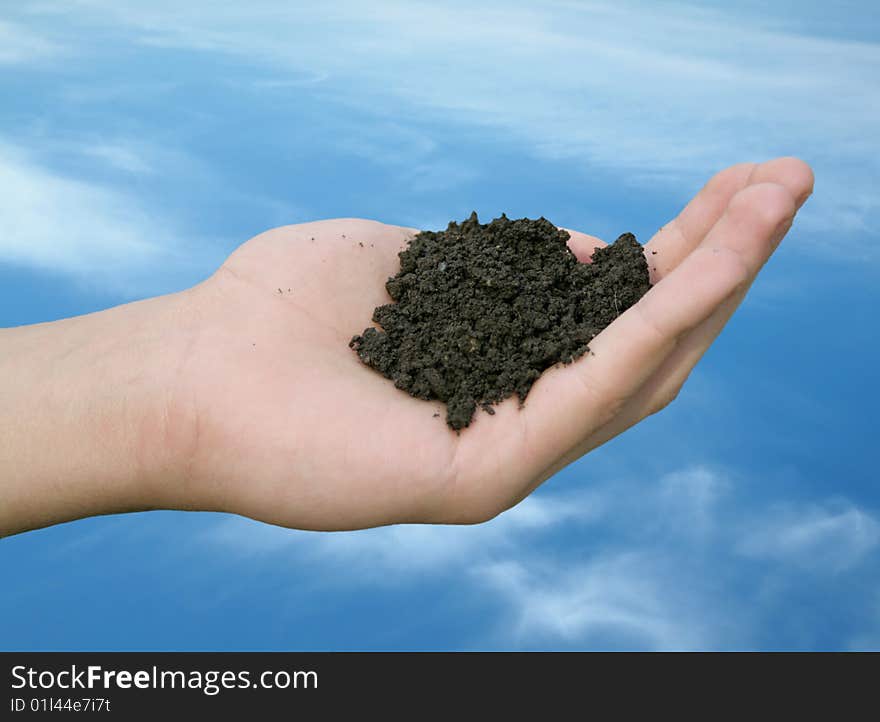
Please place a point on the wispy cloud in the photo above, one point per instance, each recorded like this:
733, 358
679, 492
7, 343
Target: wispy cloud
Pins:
656, 95
401, 549
651, 564
619, 600
120, 156
19, 45
99, 235
831, 537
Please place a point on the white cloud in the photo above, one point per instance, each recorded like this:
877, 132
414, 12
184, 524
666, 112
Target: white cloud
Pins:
622, 600
412, 157
55, 222
19, 45
120, 156
404, 548
652, 564
630, 598
100, 235
814, 537
686, 500
656, 94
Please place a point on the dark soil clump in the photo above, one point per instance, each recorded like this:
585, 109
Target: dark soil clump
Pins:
481, 310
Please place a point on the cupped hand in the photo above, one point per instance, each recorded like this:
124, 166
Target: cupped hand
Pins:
274, 417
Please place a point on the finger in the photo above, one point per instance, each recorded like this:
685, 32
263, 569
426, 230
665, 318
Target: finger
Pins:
582, 244
569, 402
798, 179
792, 173
676, 239
663, 387
659, 390
589, 393
740, 221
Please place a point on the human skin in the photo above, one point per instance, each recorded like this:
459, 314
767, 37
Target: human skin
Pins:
241, 394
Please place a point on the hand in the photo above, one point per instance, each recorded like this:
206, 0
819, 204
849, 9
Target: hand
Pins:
262, 409
293, 429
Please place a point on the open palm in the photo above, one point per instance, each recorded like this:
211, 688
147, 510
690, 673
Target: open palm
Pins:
283, 423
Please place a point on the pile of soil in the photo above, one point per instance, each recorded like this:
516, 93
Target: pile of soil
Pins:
481, 310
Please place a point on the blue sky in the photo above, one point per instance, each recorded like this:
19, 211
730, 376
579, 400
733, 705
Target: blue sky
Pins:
141, 142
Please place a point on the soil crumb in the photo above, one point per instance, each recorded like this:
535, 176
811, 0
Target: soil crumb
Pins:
481, 310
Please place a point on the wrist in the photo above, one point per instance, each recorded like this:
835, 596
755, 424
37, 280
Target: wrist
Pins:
86, 422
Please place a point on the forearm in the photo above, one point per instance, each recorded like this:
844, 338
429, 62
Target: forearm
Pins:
82, 414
